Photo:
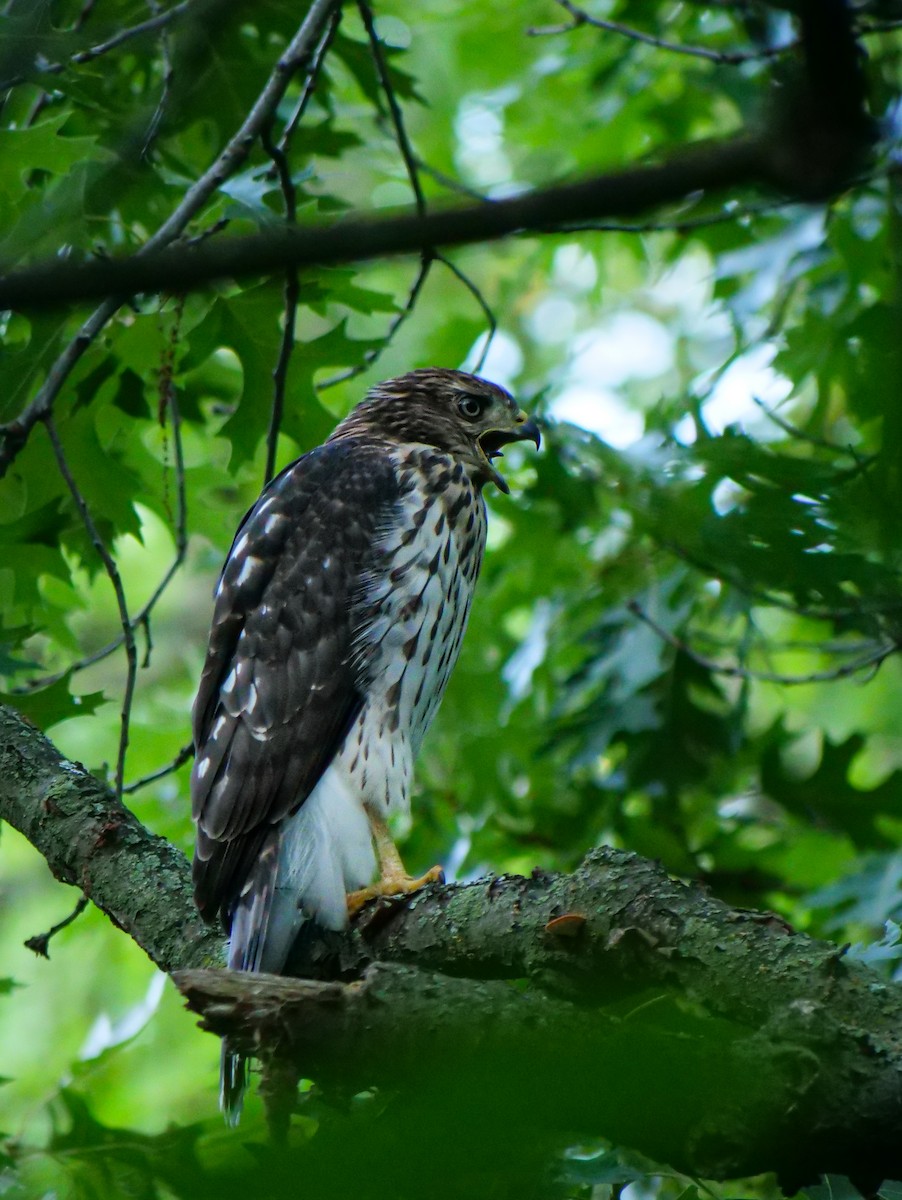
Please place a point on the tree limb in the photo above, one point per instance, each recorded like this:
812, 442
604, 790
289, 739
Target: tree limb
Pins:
738, 163
91, 840
556, 997
655, 1069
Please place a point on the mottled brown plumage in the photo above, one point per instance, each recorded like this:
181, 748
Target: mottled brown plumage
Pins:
339, 617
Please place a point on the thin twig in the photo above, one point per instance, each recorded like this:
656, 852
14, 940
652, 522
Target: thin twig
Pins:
394, 108
798, 434
16, 433
684, 224
40, 943
211, 231
181, 518
449, 182
159, 21
142, 618
109, 563
161, 772
282, 170
86, 9
166, 61
483, 304
377, 351
880, 607
722, 642
735, 671
291, 293
730, 58
319, 57
866, 29
411, 165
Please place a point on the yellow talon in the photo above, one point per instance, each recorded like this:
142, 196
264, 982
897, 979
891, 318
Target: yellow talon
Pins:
393, 879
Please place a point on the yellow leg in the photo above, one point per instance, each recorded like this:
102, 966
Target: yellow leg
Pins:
393, 878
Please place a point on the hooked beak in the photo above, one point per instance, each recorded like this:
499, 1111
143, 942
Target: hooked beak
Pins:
493, 439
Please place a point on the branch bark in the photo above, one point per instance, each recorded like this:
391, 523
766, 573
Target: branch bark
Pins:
704, 168
810, 148
614, 1000
91, 840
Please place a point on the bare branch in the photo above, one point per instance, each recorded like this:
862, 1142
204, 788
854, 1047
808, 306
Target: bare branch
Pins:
729, 214
798, 434
292, 294
617, 963
151, 25
372, 355
411, 163
282, 170
319, 57
166, 60
723, 57
871, 659
449, 182
109, 563
394, 108
142, 618
161, 772
40, 943
736, 163
604, 950
483, 304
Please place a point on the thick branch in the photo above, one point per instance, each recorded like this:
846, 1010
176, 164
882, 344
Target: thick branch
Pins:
470, 1050
635, 190
810, 148
556, 998
91, 840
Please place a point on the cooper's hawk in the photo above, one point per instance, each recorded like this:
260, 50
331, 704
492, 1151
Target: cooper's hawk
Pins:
338, 619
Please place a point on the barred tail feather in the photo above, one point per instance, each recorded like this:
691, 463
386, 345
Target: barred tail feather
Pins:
232, 1084
248, 941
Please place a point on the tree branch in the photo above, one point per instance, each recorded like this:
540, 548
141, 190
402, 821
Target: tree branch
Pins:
92, 841
731, 164
631, 973
624, 969
811, 148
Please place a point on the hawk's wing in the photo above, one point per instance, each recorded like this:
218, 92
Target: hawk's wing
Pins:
279, 686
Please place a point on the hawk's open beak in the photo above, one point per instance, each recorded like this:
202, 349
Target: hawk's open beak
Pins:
493, 439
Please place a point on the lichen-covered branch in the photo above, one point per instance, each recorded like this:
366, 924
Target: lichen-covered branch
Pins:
91, 840
801, 1094
612, 1001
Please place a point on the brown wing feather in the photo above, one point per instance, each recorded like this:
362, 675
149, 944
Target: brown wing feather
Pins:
279, 687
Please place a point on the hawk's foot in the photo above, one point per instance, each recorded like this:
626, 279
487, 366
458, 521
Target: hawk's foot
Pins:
392, 885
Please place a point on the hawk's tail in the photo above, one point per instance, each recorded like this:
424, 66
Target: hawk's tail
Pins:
247, 944
232, 1084
304, 870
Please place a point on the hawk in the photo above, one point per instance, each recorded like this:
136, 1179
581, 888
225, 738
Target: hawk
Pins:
338, 619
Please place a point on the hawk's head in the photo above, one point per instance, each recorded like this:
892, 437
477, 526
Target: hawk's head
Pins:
451, 410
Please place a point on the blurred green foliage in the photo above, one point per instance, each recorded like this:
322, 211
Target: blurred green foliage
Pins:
684, 641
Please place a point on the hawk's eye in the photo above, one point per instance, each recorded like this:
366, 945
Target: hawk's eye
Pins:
471, 406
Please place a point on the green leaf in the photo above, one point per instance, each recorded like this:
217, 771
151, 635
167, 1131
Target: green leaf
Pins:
48, 706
